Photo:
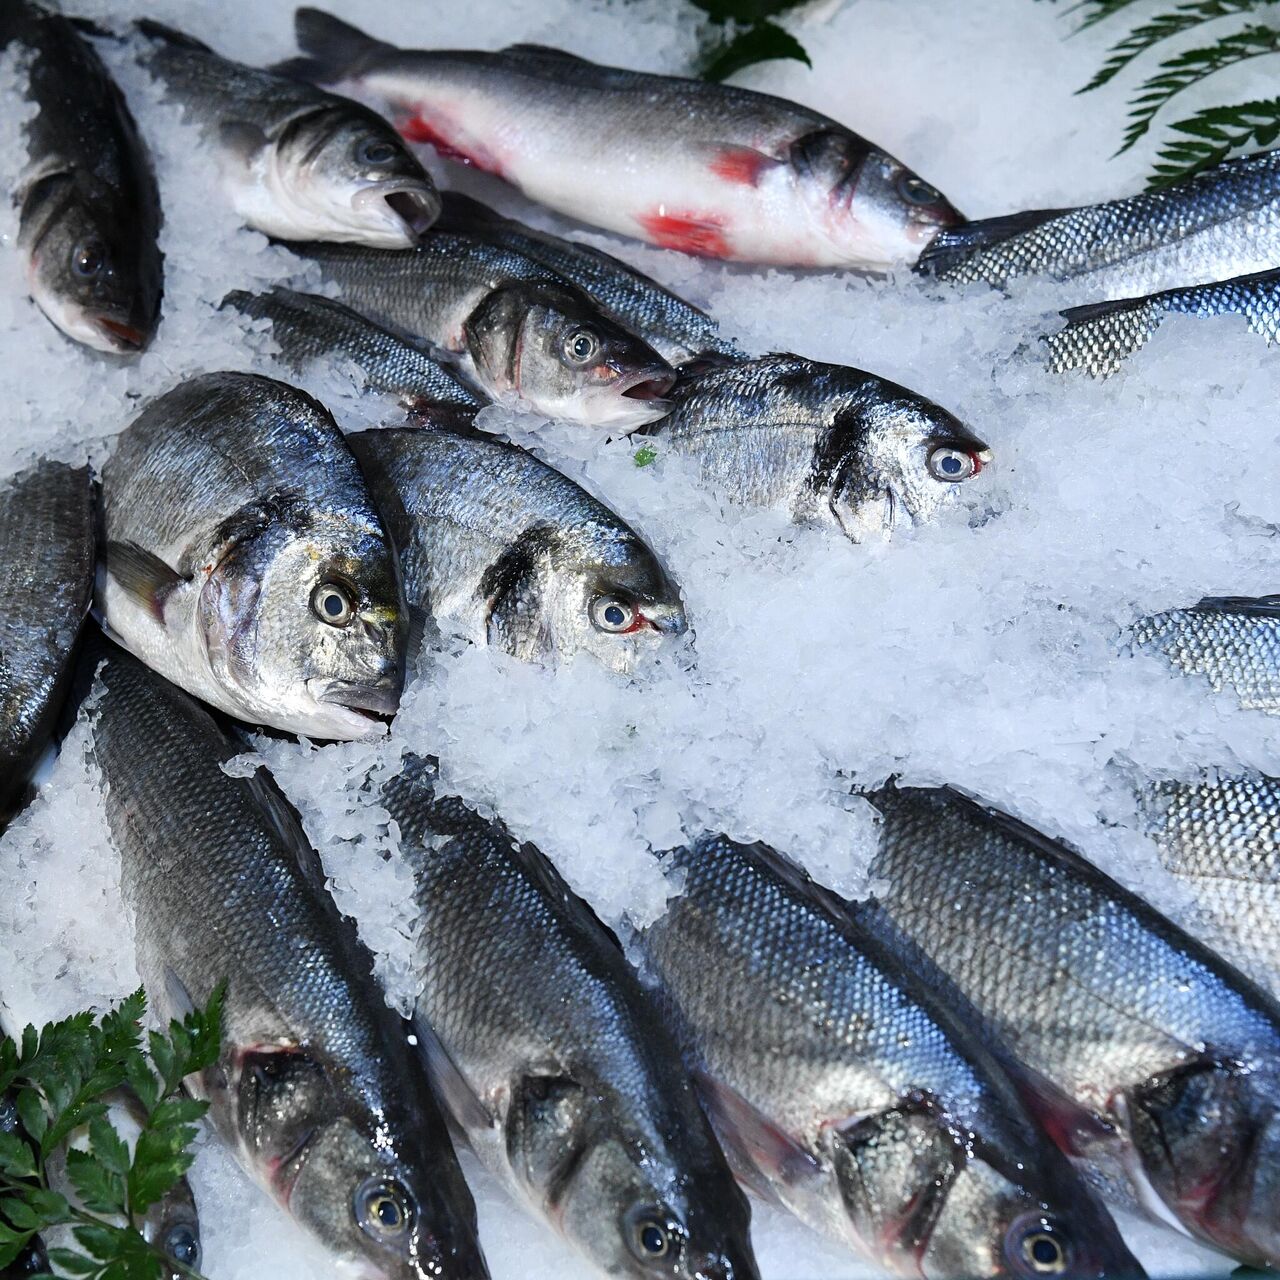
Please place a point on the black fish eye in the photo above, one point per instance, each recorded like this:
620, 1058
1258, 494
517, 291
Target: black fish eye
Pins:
947, 463
182, 1246
1044, 1254
653, 1238
87, 259
375, 151
581, 346
610, 614
332, 603
917, 191
382, 1207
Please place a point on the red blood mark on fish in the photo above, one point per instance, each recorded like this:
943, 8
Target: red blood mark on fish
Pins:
418, 129
688, 232
741, 165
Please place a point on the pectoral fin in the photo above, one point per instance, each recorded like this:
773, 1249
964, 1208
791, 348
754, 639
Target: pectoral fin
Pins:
142, 575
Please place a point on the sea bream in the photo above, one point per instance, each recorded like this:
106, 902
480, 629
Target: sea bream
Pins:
827, 444
295, 162
551, 1057
89, 208
685, 164
525, 335
316, 1091
504, 549
846, 1090
1214, 225
245, 561
1142, 1050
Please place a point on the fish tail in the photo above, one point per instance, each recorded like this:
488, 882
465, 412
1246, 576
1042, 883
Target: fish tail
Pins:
334, 50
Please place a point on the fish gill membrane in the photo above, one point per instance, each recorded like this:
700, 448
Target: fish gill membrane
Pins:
979, 649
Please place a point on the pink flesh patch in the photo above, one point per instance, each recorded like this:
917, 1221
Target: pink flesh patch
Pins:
418, 129
740, 165
686, 232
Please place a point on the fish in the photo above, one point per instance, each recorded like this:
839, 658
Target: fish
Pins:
244, 559
89, 220
551, 1057
295, 162
46, 579
32, 1260
1145, 1052
316, 1091
678, 331
310, 328
847, 1093
1212, 226
172, 1225
684, 164
510, 552
829, 445
523, 334
1233, 642
1101, 336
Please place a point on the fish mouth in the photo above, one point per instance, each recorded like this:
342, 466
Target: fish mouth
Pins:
121, 335
373, 701
415, 205
648, 386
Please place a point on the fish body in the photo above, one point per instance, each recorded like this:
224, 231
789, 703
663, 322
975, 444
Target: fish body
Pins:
296, 162
703, 168
1100, 337
829, 445
89, 208
843, 1089
316, 1090
1215, 225
309, 328
1144, 1048
560, 1071
46, 578
510, 552
675, 329
245, 561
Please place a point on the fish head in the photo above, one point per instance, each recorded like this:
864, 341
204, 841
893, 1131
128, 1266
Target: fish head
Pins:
346, 176
548, 346
172, 1226
85, 270
304, 620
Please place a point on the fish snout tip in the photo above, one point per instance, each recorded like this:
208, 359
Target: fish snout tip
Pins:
649, 385
125, 338
375, 698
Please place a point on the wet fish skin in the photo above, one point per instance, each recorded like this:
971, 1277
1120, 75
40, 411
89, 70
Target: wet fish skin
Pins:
1151, 1052
847, 1091
296, 162
309, 327
830, 445
316, 1091
245, 560
496, 543
46, 577
704, 168
1100, 337
1216, 225
527, 337
1232, 641
89, 207
567, 1084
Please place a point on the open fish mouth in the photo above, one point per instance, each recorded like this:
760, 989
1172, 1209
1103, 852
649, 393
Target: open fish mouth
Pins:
414, 204
121, 335
373, 701
648, 385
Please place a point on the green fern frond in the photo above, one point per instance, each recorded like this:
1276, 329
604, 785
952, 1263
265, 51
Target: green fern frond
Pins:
1101, 10
1213, 135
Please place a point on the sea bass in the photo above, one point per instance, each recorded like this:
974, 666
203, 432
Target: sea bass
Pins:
685, 164
828, 444
1100, 337
46, 579
510, 552
296, 162
1215, 225
846, 1093
245, 561
525, 335
90, 211
309, 328
1142, 1048
316, 1091
554, 1063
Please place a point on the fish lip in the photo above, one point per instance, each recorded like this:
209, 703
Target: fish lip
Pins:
415, 204
373, 701
124, 337
649, 385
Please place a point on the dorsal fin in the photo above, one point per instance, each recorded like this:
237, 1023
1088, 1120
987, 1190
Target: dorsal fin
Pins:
1254, 606
543, 51
950, 248
1092, 310
170, 35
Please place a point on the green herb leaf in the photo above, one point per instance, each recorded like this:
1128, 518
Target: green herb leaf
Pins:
644, 455
1214, 135
100, 1190
16, 1158
76, 1263
761, 42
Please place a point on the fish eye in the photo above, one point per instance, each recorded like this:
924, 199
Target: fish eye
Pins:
332, 603
1037, 1250
182, 1246
946, 463
375, 151
653, 1239
613, 615
581, 346
917, 191
87, 258
382, 1208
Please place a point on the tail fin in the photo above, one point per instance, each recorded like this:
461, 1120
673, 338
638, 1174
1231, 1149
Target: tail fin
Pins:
335, 50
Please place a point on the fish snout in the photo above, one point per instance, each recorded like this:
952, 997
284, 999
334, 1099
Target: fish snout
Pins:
651, 385
415, 205
125, 338
378, 697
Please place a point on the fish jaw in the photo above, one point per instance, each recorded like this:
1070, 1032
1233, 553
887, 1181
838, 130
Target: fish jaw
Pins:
397, 213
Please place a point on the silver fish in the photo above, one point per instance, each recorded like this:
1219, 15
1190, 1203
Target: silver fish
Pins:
1100, 337
172, 1226
845, 1090
551, 1057
1215, 225
309, 328
1144, 1050
827, 444
244, 559
296, 162
316, 1091
46, 580
502, 547
703, 168
525, 335
90, 211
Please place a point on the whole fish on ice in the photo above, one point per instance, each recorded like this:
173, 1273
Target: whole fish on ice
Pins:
704, 168
245, 561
